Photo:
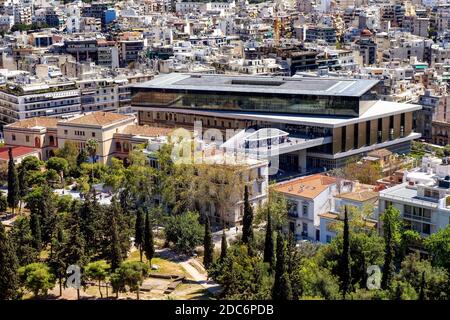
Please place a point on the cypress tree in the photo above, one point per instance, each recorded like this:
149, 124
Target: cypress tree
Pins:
149, 247
282, 289
345, 270
13, 183
139, 231
388, 266
247, 224
115, 252
268, 244
23, 186
9, 279
223, 246
35, 227
208, 245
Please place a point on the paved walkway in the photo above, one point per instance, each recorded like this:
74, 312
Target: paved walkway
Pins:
200, 277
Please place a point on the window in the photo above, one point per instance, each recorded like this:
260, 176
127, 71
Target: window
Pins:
329, 238
27, 138
13, 137
93, 134
305, 209
305, 228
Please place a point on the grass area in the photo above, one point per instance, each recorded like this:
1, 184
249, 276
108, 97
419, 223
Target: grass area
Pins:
189, 291
164, 266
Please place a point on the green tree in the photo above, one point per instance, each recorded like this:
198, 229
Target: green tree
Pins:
149, 247
282, 289
247, 227
60, 165
9, 281
23, 185
13, 183
69, 152
37, 278
35, 227
184, 231
73, 251
277, 205
428, 281
42, 201
22, 241
30, 163
223, 246
269, 244
82, 157
438, 244
94, 224
208, 245
242, 276
389, 218
139, 231
115, 255
97, 271
345, 269
130, 275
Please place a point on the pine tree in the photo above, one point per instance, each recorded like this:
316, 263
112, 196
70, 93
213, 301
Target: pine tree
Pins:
73, 252
345, 270
139, 230
268, 244
247, 227
35, 227
9, 280
208, 245
13, 183
282, 289
149, 246
223, 246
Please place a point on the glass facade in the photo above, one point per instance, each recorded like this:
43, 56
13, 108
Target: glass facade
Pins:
260, 102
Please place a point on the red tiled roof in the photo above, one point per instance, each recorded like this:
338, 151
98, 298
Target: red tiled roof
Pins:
17, 151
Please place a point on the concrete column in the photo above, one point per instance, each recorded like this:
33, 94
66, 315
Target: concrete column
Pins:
302, 161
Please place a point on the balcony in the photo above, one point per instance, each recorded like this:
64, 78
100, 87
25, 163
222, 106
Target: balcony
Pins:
293, 214
410, 216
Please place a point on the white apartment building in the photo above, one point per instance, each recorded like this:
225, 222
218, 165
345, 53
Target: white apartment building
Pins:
423, 198
54, 99
307, 197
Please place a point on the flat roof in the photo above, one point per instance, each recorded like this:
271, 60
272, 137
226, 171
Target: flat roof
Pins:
306, 187
260, 84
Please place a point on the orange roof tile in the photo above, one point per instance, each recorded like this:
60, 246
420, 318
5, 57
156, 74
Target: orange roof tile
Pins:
146, 130
307, 187
99, 118
34, 122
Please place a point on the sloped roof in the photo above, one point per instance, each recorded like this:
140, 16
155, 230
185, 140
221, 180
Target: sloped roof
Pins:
99, 118
46, 122
146, 130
